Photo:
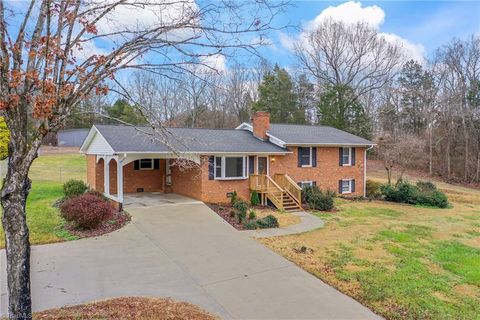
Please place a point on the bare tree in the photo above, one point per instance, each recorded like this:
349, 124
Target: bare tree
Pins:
51, 59
353, 55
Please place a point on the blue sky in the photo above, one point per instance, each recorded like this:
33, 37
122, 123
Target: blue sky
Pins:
423, 23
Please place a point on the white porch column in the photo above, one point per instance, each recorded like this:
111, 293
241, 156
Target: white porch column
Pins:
120, 180
106, 176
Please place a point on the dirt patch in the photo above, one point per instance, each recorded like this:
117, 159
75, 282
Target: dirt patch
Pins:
128, 308
119, 220
285, 219
468, 290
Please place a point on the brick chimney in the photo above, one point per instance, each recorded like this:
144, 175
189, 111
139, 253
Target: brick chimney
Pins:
261, 124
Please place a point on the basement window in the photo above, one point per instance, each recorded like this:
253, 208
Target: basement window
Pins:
230, 168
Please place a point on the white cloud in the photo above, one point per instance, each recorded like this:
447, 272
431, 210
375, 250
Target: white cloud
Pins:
352, 12
411, 50
216, 61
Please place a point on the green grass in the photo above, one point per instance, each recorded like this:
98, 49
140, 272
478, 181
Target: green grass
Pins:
402, 261
48, 173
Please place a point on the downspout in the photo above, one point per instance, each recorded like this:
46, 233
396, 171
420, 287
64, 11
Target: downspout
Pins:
365, 171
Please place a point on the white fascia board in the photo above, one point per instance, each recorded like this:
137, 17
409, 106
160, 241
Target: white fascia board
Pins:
245, 126
331, 144
276, 141
203, 152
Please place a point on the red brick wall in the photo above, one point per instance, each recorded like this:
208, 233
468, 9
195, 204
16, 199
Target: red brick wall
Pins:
186, 180
216, 190
149, 180
326, 173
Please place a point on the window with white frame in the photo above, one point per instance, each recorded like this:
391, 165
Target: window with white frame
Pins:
302, 184
347, 185
306, 156
346, 156
146, 164
229, 168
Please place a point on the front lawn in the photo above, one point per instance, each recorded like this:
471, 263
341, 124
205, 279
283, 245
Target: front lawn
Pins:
48, 173
402, 261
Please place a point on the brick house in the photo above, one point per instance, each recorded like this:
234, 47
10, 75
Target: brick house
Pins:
276, 160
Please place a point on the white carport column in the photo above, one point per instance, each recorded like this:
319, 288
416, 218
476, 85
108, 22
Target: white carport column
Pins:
106, 175
120, 179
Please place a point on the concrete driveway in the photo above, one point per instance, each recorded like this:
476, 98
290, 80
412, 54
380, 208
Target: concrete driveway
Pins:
181, 249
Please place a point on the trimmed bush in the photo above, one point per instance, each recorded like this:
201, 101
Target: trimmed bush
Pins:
267, 222
254, 198
241, 208
318, 199
86, 211
74, 188
373, 189
252, 215
250, 225
422, 194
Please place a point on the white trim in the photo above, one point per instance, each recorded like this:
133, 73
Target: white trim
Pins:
310, 158
349, 186
223, 168
152, 164
331, 144
208, 153
245, 126
349, 163
276, 141
306, 182
365, 171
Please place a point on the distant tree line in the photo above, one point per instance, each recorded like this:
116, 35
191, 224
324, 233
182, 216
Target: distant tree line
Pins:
423, 114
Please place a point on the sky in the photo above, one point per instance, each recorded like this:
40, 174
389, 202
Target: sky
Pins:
422, 26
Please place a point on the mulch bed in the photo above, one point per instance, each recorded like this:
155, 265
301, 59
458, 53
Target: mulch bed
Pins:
224, 212
119, 220
128, 308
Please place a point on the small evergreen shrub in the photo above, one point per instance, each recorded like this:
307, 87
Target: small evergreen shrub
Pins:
86, 211
240, 207
254, 198
373, 189
318, 199
250, 225
74, 188
423, 193
252, 215
267, 222
233, 198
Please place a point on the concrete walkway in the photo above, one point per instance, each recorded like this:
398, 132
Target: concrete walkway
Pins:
308, 222
185, 251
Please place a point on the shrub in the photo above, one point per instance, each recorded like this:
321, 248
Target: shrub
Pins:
307, 192
240, 208
423, 193
73, 188
233, 198
267, 222
252, 215
86, 211
254, 198
250, 225
373, 189
426, 186
317, 199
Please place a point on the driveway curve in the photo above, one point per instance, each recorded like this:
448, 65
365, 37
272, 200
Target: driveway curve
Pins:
181, 249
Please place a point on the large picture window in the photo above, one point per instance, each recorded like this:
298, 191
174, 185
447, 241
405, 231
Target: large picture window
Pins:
229, 168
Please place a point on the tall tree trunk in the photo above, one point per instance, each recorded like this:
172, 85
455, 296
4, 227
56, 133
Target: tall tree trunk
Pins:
13, 200
430, 151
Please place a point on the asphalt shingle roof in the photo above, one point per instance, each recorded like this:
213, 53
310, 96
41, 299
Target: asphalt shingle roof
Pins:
143, 139
306, 134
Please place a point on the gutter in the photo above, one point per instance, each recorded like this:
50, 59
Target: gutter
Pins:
365, 170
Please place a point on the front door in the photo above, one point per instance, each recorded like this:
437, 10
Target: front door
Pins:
262, 165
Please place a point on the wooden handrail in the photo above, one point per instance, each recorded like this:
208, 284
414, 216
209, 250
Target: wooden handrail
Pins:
289, 186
